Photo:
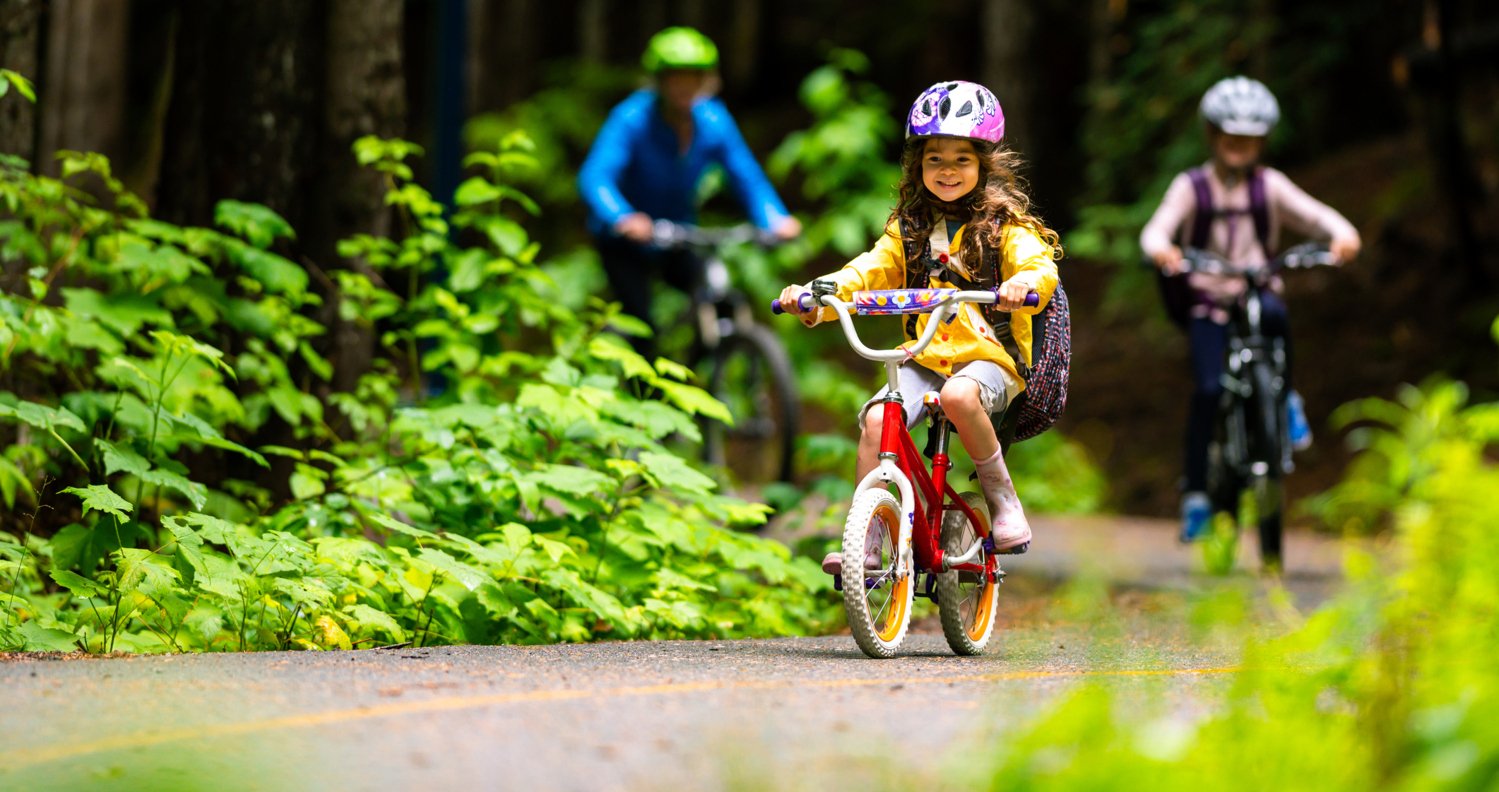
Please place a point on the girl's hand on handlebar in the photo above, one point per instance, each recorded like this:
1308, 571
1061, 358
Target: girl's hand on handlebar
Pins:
1011, 294
791, 302
1169, 260
1345, 249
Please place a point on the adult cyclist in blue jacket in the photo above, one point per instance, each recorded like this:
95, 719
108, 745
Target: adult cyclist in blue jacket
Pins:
646, 164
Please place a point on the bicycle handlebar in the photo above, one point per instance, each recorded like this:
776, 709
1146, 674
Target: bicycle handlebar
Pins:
805, 301
671, 236
948, 302
1303, 256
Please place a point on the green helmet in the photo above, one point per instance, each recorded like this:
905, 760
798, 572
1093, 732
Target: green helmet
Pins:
679, 48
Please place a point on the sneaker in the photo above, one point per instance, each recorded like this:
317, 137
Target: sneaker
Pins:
1197, 511
1296, 424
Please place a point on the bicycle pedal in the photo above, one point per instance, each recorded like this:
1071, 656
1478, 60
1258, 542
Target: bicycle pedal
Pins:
1016, 550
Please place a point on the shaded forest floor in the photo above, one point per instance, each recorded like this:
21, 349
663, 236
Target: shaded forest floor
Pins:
1402, 313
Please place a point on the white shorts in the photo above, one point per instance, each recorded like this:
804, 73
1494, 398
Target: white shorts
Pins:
996, 387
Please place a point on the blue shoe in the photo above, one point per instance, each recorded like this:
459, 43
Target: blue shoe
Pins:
1197, 513
1296, 424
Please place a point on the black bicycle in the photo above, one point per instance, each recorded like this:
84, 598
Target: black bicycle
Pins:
1251, 448
744, 363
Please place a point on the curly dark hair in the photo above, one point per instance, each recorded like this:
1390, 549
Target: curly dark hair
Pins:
999, 199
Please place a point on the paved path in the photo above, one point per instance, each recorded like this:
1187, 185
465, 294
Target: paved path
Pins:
792, 713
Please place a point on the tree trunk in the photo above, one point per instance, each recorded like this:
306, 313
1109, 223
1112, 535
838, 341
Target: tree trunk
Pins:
593, 31
503, 49
241, 123
20, 39
743, 44
1009, 68
82, 99
366, 93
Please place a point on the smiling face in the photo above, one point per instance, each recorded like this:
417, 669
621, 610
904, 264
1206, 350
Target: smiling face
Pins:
949, 167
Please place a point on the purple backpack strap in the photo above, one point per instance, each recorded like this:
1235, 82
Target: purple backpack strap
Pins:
1202, 218
1259, 209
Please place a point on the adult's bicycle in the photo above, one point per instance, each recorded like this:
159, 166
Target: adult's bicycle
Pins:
1250, 452
746, 366
925, 539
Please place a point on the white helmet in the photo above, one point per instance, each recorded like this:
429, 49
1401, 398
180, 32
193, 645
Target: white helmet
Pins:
1240, 106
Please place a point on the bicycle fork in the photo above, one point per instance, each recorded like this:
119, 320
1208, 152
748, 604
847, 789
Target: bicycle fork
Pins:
888, 472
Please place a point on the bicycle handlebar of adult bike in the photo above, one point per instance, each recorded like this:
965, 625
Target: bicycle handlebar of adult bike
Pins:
669, 235
938, 309
1303, 256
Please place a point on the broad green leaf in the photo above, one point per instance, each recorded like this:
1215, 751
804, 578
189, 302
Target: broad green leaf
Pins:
476, 190
368, 617
402, 528
276, 274
43, 417
47, 639
613, 348
23, 85
453, 569
77, 584
100, 497
257, 224
671, 473
196, 494
123, 313
121, 460
695, 400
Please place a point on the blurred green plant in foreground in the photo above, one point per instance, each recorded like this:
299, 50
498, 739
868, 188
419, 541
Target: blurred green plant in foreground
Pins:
1390, 686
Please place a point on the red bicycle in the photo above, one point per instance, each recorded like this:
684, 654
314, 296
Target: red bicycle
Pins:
925, 539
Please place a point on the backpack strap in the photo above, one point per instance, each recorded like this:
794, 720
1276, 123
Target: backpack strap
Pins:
1000, 321
1259, 209
1202, 219
917, 267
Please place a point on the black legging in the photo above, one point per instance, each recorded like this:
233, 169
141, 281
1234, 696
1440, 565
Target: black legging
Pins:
633, 269
1209, 344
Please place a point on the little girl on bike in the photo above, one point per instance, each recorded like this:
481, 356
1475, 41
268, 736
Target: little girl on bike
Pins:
1233, 207
962, 221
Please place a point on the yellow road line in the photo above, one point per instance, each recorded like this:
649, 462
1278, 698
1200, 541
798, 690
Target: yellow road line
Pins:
22, 758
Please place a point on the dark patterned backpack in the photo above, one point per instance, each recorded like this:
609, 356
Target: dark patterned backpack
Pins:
1045, 395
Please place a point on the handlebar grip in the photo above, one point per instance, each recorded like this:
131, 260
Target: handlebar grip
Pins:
1033, 299
805, 300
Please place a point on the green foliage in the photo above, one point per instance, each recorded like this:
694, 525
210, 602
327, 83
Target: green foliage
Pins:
1392, 682
531, 500
23, 86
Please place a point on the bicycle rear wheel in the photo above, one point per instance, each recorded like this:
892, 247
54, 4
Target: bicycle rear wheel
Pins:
752, 376
968, 602
878, 603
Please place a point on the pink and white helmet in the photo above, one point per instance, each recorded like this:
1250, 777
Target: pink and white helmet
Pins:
957, 109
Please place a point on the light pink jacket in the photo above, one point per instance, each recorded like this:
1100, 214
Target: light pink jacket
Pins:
1232, 236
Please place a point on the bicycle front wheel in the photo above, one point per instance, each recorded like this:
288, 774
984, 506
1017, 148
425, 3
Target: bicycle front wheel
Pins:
877, 602
968, 602
1270, 436
752, 376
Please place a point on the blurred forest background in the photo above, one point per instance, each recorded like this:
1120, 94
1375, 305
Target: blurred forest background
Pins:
1391, 114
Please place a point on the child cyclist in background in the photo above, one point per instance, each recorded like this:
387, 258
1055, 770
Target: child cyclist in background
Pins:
961, 203
1233, 207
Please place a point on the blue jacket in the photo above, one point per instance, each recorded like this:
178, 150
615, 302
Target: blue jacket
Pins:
636, 165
